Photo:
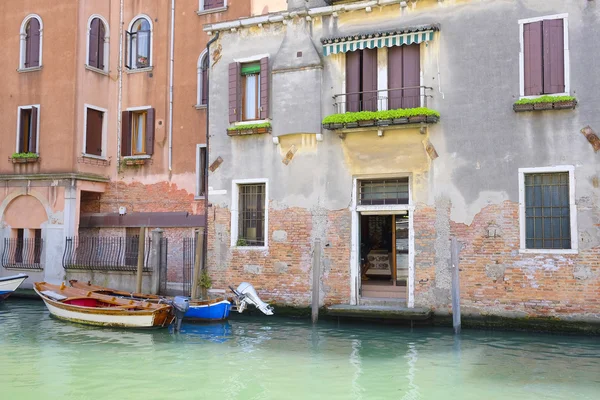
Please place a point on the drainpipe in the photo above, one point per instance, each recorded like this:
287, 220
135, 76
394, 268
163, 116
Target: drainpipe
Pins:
120, 90
171, 86
204, 253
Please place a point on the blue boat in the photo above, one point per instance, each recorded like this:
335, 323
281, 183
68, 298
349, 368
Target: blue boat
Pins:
209, 310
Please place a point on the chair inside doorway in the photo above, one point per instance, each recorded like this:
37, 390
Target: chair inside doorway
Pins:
384, 255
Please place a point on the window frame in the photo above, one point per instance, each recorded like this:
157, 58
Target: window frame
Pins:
106, 42
200, 168
134, 131
201, 83
103, 156
37, 134
567, 71
235, 198
243, 83
572, 210
127, 37
202, 10
23, 44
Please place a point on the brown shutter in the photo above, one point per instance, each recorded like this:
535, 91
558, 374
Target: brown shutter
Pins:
395, 77
150, 132
353, 81
204, 94
369, 80
264, 88
22, 133
411, 76
235, 111
126, 133
28, 45
93, 44
34, 31
554, 56
101, 35
532, 57
93, 134
33, 128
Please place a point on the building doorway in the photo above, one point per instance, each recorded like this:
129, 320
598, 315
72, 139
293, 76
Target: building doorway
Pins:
384, 255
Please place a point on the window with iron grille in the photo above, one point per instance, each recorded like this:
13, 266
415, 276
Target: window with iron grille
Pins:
383, 192
547, 211
251, 221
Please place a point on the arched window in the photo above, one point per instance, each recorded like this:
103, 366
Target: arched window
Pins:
97, 56
202, 99
31, 42
139, 43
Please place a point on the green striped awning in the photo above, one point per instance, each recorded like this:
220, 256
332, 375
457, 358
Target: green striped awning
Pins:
345, 44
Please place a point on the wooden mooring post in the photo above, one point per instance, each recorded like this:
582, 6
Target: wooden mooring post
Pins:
140, 259
197, 262
455, 249
316, 286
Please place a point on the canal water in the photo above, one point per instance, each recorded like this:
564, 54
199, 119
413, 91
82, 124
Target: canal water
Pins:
275, 358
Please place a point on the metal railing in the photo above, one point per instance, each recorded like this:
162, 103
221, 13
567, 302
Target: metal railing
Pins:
385, 99
104, 253
22, 253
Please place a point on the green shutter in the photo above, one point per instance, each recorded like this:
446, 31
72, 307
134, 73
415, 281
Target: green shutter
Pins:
249, 69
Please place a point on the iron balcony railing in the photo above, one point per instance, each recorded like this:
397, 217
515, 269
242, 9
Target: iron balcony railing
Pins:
22, 253
104, 253
379, 100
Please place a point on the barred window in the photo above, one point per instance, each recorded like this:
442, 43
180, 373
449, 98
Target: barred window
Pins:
251, 221
383, 192
547, 211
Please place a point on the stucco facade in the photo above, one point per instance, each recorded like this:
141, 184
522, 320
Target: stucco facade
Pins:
58, 190
464, 171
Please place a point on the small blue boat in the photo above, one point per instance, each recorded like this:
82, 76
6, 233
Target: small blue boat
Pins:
209, 310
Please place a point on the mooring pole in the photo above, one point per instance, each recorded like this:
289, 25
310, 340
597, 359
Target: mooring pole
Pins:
140, 259
197, 261
316, 287
454, 248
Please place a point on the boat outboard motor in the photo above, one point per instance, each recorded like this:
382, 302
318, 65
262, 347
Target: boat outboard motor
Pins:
180, 306
246, 294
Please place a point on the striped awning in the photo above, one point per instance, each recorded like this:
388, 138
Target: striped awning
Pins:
380, 39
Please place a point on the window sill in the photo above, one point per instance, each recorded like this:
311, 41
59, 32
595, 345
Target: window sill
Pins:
94, 157
200, 106
252, 122
24, 160
549, 105
548, 251
138, 157
250, 248
138, 70
94, 69
32, 69
211, 10
136, 161
199, 198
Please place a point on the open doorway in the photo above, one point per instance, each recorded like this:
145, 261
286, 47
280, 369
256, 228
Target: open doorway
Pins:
384, 255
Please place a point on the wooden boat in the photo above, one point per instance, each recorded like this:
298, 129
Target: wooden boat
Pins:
8, 284
87, 307
200, 310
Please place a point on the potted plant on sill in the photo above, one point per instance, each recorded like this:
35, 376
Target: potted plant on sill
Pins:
23, 158
565, 104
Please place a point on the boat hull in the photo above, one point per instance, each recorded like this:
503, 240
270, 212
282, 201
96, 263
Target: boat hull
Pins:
108, 317
9, 284
208, 312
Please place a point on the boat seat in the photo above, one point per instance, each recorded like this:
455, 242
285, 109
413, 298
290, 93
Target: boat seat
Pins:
54, 295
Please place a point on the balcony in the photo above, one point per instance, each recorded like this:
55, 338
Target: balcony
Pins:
381, 108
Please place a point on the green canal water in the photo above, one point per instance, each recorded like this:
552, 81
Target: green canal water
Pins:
275, 358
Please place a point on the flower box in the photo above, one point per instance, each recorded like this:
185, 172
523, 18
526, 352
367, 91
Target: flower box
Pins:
432, 119
328, 126
417, 118
543, 106
400, 121
351, 124
384, 122
336, 126
565, 105
370, 122
135, 162
27, 160
522, 107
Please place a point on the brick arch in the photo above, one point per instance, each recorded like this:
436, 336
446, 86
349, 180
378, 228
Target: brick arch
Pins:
14, 196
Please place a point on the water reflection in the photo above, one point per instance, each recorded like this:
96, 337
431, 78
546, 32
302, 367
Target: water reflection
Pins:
252, 358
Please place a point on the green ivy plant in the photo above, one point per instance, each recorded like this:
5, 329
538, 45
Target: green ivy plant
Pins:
379, 115
247, 127
241, 242
546, 99
204, 281
25, 155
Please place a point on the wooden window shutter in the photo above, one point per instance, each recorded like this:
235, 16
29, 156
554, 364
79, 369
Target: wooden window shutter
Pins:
28, 45
411, 76
264, 88
93, 134
204, 93
101, 35
554, 56
93, 44
126, 133
235, 112
532, 57
395, 76
369, 80
34, 130
34, 32
150, 131
353, 81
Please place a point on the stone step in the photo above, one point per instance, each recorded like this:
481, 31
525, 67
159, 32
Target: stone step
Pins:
383, 302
